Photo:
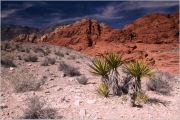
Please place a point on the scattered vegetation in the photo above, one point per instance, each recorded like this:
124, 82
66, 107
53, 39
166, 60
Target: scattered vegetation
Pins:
103, 89
45, 62
38, 49
160, 83
48, 61
141, 97
7, 61
59, 53
71, 57
31, 58
123, 97
51, 60
82, 80
25, 82
68, 70
36, 110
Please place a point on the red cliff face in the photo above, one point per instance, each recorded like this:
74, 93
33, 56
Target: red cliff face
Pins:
138, 40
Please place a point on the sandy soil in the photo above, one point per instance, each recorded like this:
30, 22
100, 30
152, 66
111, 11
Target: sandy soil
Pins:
76, 101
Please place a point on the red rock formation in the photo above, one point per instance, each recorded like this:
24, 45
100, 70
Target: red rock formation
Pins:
136, 40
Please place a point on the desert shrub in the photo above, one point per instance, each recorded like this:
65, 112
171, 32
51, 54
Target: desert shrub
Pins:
27, 50
7, 45
45, 63
68, 70
141, 97
10, 56
22, 49
38, 49
103, 89
59, 53
72, 57
7, 62
123, 97
35, 110
82, 80
160, 83
25, 82
51, 60
31, 58
17, 46
48, 51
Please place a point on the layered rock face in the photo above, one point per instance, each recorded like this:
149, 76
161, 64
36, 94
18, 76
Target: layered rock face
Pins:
138, 40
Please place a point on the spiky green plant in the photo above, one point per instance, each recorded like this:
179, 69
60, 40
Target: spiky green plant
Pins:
141, 97
139, 69
114, 61
100, 67
103, 89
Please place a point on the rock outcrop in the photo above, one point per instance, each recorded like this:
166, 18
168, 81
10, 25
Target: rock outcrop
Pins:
159, 32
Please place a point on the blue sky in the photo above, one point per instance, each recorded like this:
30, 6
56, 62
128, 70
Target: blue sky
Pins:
115, 14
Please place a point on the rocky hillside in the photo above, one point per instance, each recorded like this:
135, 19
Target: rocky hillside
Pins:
147, 38
86, 33
11, 31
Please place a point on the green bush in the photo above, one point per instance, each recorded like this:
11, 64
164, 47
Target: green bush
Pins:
103, 89
141, 97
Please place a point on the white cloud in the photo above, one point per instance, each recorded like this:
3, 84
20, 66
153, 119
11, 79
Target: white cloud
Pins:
146, 5
6, 13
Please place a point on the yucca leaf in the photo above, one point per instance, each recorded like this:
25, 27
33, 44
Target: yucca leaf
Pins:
99, 67
139, 69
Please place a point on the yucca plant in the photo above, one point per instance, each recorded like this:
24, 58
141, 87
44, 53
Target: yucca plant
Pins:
114, 61
138, 69
100, 67
103, 89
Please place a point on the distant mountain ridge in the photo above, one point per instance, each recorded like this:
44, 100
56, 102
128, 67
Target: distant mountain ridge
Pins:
11, 31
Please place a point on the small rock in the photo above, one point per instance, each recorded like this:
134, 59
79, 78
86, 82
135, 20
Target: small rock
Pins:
51, 79
47, 92
71, 79
77, 102
59, 89
82, 112
11, 68
65, 106
29, 64
88, 115
2, 106
50, 72
91, 101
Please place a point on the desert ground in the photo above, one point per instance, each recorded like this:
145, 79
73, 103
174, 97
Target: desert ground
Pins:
65, 96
